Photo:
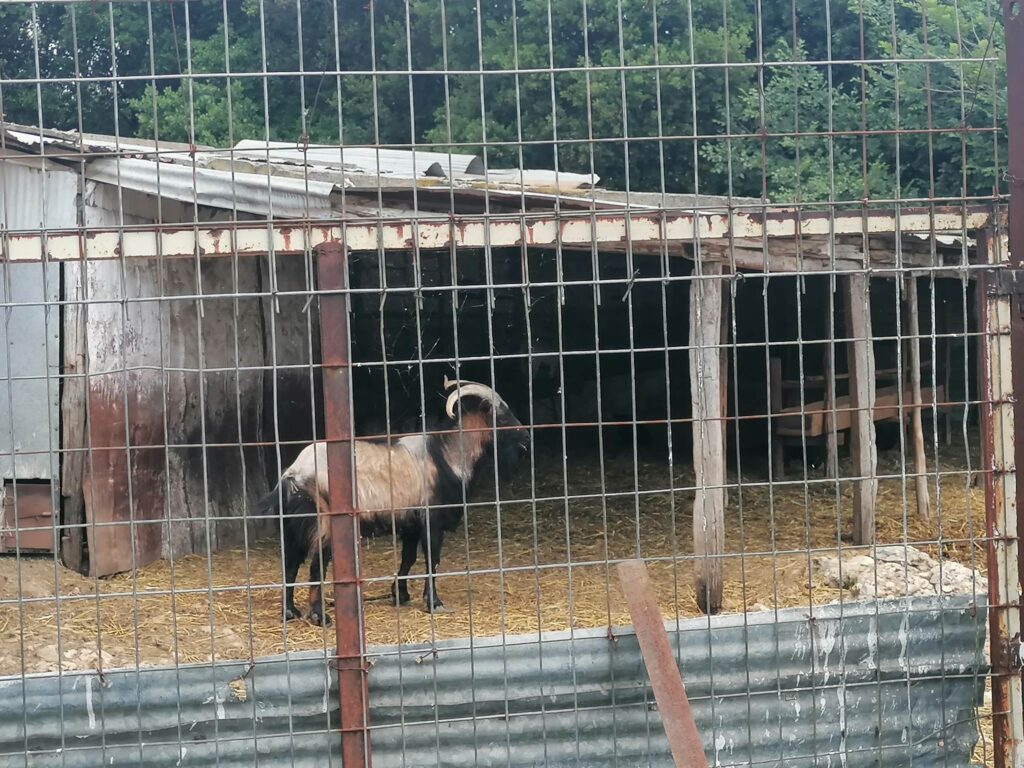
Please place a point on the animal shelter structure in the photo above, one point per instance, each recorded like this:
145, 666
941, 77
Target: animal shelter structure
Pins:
190, 317
180, 370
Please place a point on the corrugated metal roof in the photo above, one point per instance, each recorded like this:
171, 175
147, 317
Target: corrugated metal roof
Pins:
249, 192
33, 139
407, 164
856, 685
96, 144
561, 181
361, 168
370, 160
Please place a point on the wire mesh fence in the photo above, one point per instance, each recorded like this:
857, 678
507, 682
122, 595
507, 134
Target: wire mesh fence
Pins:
299, 296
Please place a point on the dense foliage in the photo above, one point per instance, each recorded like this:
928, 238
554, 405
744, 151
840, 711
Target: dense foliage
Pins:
656, 94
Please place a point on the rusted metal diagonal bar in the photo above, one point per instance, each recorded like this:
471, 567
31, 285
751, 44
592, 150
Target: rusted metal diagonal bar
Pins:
669, 692
332, 275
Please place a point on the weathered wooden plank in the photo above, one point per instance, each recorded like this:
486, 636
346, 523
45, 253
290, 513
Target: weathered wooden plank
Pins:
822, 382
222, 408
152, 401
724, 379
662, 668
72, 419
831, 436
818, 413
776, 409
123, 496
861, 356
708, 450
917, 428
947, 368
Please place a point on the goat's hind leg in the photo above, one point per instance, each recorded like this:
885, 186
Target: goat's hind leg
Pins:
400, 586
317, 615
432, 551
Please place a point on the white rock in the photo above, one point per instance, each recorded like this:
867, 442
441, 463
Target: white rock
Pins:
858, 562
899, 571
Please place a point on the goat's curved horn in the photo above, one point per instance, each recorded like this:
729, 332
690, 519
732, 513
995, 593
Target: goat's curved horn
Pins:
449, 406
471, 388
449, 383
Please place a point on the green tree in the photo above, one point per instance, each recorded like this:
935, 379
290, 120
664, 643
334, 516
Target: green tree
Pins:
646, 93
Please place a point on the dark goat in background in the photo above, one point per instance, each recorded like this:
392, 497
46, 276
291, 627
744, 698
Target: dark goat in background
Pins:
415, 485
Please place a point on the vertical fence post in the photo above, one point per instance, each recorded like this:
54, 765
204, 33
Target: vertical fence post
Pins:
332, 280
708, 436
861, 356
999, 375
1007, 444
924, 508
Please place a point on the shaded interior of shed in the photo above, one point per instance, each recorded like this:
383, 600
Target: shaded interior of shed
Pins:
221, 394
584, 320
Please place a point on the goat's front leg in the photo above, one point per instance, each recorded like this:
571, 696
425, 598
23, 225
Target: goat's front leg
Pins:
316, 613
400, 587
293, 557
432, 552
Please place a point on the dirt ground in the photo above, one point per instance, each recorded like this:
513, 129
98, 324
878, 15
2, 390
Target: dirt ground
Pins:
228, 606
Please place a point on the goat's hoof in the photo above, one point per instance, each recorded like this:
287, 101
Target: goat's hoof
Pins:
399, 592
319, 620
438, 608
291, 612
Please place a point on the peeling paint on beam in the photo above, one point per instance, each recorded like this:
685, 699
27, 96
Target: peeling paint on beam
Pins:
604, 230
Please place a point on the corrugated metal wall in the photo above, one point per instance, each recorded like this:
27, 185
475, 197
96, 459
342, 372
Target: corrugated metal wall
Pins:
31, 198
893, 683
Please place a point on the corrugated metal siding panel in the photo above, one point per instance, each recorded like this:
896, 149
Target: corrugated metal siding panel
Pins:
858, 685
32, 199
35, 199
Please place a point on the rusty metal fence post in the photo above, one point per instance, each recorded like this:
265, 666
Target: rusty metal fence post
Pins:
332, 281
1001, 374
1005, 434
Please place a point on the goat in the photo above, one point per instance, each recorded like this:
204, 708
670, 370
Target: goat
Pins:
415, 485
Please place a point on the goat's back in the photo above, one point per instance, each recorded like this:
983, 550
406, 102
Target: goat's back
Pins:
394, 476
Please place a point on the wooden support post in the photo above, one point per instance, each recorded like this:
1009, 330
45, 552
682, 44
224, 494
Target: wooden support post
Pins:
947, 375
724, 378
829, 368
978, 396
860, 352
708, 452
917, 428
774, 408
72, 417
